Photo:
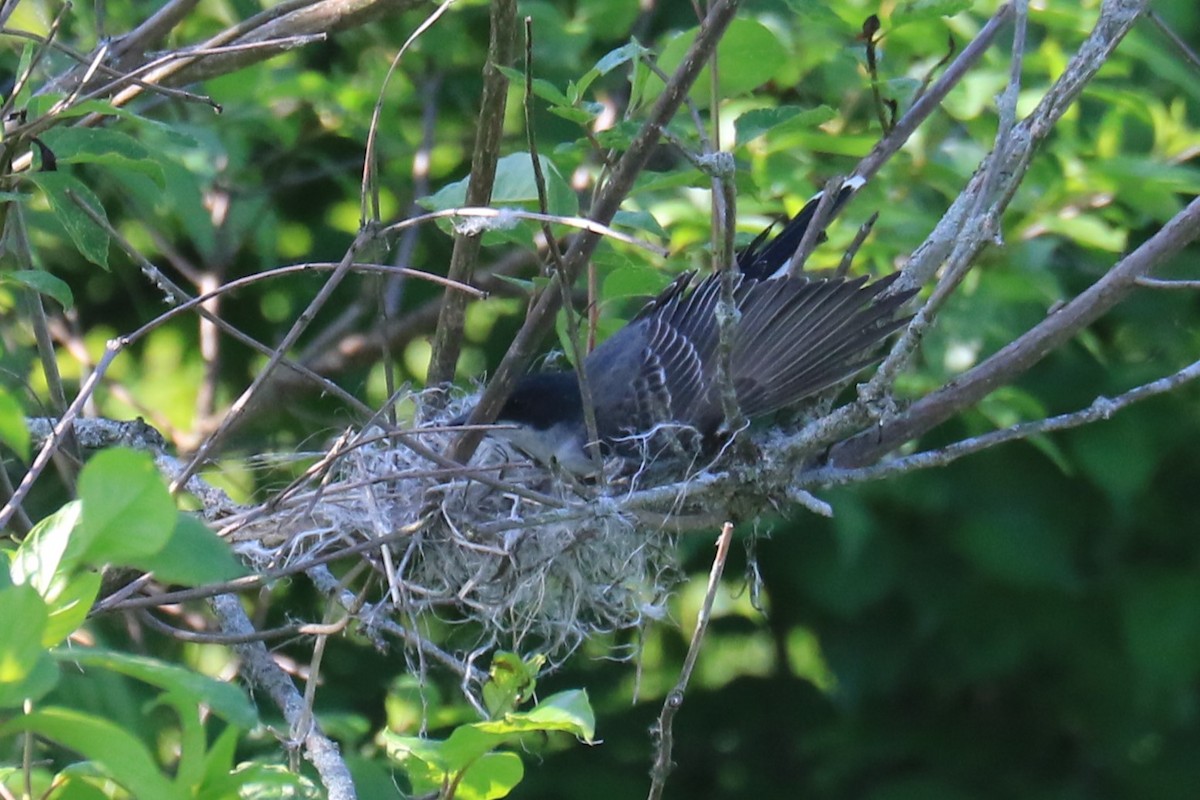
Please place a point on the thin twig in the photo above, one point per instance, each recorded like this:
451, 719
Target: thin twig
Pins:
674, 700
239, 406
578, 353
447, 335
282, 632
504, 217
864, 231
1169, 283
822, 216
1027, 349
1102, 408
369, 195
260, 669
1189, 55
608, 200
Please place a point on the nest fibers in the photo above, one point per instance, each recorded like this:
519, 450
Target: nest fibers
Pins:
500, 554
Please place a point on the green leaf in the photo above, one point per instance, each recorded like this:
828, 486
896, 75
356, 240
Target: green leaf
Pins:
618, 56
579, 116
224, 699
514, 185
41, 678
567, 711
749, 55
607, 63
128, 513
111, 747
752, 124
606, 19
921, 10
256, 780
492, 775
219, 760
23, 97
42, 282
70, 606
420, 758
639, 220
618, 137
1089, 230
41, 104
65, 192
13, 431
633, 280
193, 556
21, 627
70, 786
103, 146
468, 743
541, 88
511, 681
50, 552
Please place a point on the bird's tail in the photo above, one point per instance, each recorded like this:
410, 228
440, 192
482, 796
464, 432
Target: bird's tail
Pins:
763, 260
799, 336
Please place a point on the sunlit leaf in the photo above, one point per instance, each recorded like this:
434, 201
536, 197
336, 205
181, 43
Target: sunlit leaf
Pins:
67, 196
493, 775
193, 556
13, 431
749, 54
49, 554
44, 283
127, 511
111, 747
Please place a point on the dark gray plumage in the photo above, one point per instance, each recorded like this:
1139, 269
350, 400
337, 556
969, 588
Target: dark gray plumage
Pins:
796, 336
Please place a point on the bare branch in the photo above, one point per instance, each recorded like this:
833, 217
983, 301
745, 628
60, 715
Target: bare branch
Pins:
447, 336
674, 700
260, 669
1102, 408
1025, 351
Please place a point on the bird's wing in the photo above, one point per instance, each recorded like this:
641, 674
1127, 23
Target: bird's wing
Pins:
674, 338
762, 260
795, 337
799, 336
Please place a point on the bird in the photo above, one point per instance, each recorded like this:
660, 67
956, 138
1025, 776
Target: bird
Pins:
655, 385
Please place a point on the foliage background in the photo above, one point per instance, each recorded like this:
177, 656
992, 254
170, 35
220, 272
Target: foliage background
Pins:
1024, 623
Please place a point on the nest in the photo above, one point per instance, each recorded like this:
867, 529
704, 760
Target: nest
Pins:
503, 554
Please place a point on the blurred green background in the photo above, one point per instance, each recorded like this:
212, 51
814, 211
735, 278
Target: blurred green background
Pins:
1024, 623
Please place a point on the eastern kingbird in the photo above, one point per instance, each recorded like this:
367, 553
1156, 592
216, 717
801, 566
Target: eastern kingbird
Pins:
655, 383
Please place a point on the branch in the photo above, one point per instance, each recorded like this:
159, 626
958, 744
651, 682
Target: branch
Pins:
447, 336
1102, 408
541, 317
957, 228
289, 19
674, 699
261, 671
1028, 349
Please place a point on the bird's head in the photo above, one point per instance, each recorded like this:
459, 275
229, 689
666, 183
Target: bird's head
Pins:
541, 400
543, 417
